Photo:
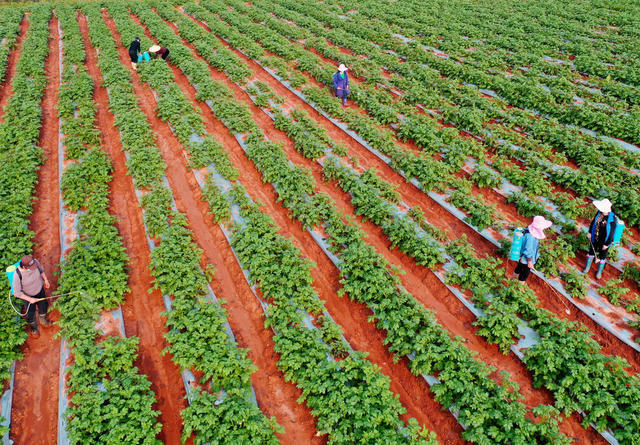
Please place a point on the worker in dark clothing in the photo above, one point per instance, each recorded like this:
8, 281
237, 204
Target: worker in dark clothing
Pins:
341, 83
601, 233
134, 50
29, 283
157, 50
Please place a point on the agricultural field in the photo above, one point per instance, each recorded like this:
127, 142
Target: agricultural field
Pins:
238, 258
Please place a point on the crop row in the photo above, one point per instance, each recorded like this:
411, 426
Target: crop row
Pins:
503, 307
490, 281
421, 130
473, 105
296, 342
10, 19
530, 67
314, 210
19, 161
195, 322
519, 40
102, 382
428, 135
227, 369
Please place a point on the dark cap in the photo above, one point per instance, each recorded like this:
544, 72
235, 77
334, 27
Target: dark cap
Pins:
27, 262
137, 38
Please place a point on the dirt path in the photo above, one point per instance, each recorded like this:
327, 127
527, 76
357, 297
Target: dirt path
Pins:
34, 413
6, 86
275, 396
141, 310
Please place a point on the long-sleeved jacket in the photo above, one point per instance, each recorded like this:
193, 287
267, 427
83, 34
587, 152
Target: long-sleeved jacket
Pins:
134, 48
340, 82
529, 250
603, 238
31, 282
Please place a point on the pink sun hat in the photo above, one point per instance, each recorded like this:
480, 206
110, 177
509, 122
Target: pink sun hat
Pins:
536, 228
342, 68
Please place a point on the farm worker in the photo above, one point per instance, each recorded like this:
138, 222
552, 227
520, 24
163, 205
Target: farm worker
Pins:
341, 83
29, 283
134, 49
157, 50
601, 232
529, 251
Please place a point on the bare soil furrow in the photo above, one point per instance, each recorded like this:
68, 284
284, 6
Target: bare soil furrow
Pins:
34, 412
6, 87
275, 396
143, 305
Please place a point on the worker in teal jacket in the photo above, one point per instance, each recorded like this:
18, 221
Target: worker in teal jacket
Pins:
529, 253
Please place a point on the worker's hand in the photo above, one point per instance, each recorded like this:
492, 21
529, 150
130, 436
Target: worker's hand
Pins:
28, 299
46, 284
605, 247
531, 266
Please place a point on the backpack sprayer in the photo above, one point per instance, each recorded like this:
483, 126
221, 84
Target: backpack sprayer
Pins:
11, 270
516, 244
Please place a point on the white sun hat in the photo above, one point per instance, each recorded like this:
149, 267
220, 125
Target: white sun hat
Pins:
342, 67
604, 205
154, 49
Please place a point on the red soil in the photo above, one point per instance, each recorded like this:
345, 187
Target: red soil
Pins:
414, 392
549, 299
141, 310
341, 308
490, 355
35, 397
275, 396
12, 61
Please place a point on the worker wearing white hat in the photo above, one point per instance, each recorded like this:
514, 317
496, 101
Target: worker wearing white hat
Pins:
601, 233
341, 83
157, 50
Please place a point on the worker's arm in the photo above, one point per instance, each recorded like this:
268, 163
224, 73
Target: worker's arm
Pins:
43, 275
529, 250
46, 281
612, 230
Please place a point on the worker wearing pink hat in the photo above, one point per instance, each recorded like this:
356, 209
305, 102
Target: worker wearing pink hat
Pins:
529, 252
601, 231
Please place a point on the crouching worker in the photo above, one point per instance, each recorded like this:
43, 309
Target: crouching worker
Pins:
601, 231
157, 50
29, 282
529, 251
134, 50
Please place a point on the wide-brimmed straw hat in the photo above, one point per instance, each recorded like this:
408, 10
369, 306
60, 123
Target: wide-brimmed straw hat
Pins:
154, 49
342, 67
604, 205
536, 228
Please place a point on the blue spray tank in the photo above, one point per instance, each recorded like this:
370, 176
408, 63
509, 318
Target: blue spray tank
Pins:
144, 56
617, 234
10, 271
516, 244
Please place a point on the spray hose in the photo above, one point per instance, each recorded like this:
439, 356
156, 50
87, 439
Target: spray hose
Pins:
39, 299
